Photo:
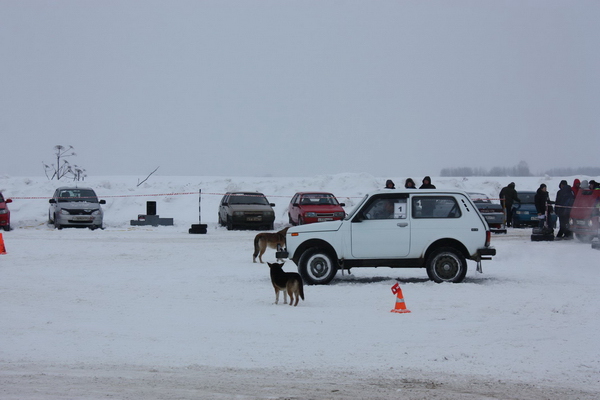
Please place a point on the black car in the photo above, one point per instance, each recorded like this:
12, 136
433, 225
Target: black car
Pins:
250, 210
492, 212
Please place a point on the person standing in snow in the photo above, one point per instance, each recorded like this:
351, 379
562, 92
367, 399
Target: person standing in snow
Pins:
410, 184
427, 183
508, 196
564, 201
389, 184
542, 199
575, 187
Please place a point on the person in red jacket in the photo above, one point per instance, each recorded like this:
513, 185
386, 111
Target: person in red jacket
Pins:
575, 187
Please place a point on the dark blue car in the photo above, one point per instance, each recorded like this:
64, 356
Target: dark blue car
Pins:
525, 214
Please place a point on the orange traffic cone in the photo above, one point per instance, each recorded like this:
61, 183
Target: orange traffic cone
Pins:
400, 307
2, 248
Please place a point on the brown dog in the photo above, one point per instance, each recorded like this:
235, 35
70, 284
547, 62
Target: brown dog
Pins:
275, 240
290, 283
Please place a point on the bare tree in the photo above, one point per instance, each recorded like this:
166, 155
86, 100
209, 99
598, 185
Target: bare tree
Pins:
62, 167
139, 183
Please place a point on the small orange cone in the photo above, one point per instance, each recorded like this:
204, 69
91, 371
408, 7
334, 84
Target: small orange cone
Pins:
400, 307
2, 248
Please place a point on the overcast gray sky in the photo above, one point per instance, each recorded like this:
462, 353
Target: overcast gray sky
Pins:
299, 88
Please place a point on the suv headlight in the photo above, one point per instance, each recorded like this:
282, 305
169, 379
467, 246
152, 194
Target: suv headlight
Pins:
269, 214
97, 212
311, 214
339, 214
3, 211
64, 212
238, 213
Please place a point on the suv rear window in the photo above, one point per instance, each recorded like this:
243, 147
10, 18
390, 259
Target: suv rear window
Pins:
248, 199
435, 207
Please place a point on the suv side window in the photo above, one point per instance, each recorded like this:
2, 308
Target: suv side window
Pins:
386, 208
435, 207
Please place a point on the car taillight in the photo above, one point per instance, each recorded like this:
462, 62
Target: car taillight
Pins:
488, 238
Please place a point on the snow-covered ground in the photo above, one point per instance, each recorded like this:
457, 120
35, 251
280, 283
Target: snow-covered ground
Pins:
155, 312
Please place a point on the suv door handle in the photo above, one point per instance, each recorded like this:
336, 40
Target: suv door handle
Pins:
402, 224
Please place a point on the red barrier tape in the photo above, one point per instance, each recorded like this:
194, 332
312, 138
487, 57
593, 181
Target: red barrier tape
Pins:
222, 194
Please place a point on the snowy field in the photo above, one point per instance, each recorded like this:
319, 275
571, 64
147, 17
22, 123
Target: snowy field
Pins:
157, 313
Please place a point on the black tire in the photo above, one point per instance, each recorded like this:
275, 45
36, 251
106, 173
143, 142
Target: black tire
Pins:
300, 220
220, 221
446, 264
317, 266
6, 228
229, 224
516, 223
290, 219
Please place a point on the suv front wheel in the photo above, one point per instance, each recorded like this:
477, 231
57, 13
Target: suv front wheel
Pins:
317, 266
446, 264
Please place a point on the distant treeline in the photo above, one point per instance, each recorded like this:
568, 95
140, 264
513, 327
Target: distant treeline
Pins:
521, 169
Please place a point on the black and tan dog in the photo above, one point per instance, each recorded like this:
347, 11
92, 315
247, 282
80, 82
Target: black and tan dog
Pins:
274, 240
290, 283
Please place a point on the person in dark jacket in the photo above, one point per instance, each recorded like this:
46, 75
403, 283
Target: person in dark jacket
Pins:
427, 183
508, 196
389, 184
542, 199
564, 201
410, 184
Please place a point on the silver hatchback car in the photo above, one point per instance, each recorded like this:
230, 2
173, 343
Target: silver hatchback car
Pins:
75, 206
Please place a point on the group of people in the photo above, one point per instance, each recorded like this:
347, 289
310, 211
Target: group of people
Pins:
410, 184
565, 197
563, 203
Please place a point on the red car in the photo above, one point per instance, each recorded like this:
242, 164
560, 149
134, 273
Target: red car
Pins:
4, 213
583, 220
309, 207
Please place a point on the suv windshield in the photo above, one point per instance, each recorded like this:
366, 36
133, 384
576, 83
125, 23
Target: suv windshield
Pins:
69, 195
248, 199
356, 208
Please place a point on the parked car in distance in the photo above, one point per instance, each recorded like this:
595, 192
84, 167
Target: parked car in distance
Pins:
4, 213
492, 212
583, 220
246, 210
438, 230
309, 207
72, 206
525, 213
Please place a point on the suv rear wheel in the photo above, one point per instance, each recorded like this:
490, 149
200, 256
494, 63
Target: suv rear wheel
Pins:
446, 264
317, 266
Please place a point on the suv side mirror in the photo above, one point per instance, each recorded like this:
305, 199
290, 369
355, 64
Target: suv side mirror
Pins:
102, 201
272, 204
343, 204
8, 201
52, 201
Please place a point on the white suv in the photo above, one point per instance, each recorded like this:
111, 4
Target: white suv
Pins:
433, 229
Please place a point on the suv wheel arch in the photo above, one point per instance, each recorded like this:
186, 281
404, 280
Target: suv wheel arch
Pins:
317, 262
446, 264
